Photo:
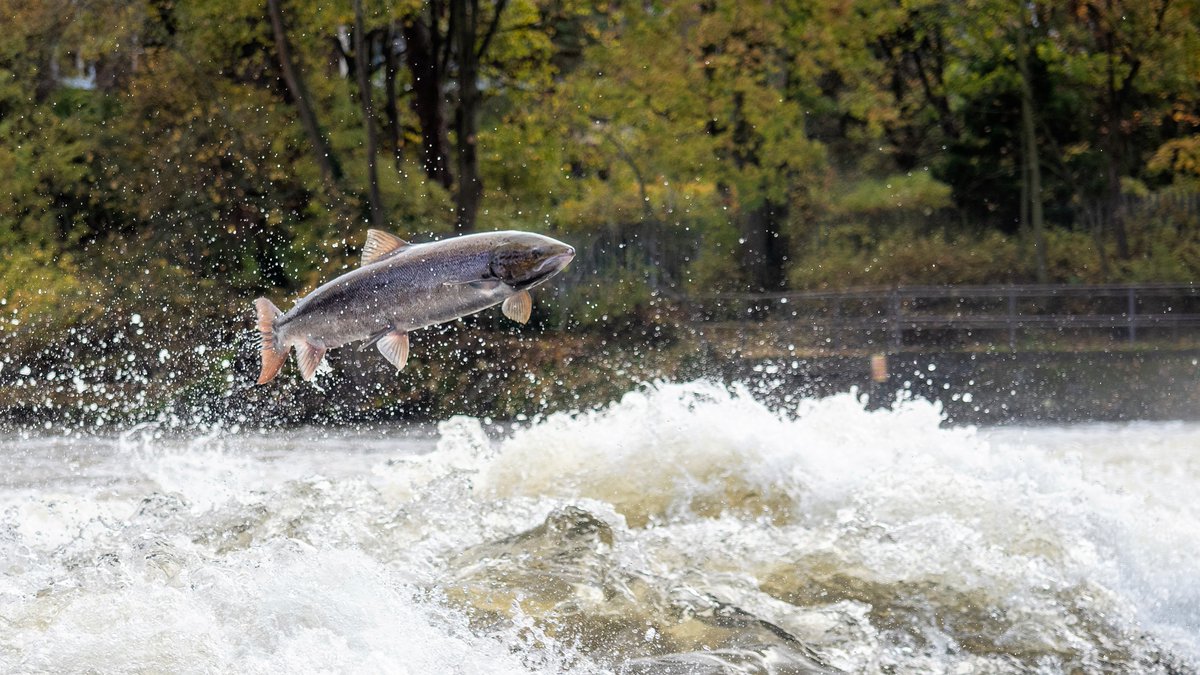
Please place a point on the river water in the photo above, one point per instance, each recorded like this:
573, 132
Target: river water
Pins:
685, 529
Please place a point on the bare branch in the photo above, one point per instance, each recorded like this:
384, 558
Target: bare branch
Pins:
491, 32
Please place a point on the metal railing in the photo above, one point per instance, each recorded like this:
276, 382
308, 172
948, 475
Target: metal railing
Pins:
900, 313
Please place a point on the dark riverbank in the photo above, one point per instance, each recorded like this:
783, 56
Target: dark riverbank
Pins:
1000, 387
513, 378
474, 369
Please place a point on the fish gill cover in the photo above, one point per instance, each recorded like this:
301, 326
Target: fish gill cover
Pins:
685, 528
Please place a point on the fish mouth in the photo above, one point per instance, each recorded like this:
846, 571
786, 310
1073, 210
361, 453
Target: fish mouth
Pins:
547, 268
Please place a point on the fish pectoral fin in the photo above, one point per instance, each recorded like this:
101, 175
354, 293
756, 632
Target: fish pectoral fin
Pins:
518, 307
477, 284
380, 245
394, 347
375, 337
308, 356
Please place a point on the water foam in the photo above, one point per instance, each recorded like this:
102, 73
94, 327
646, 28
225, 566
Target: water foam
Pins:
219, 554
877, 538
980, 528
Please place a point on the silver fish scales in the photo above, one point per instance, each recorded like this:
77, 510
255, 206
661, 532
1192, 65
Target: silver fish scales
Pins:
402, 287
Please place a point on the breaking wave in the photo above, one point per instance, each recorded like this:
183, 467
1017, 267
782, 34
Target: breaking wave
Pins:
687, 528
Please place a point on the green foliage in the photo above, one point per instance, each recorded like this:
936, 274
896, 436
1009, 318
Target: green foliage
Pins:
45, 159
716, 269
855, 257
1165, 239
913, 191
839, 143
42, 291
617, 297
1179, 158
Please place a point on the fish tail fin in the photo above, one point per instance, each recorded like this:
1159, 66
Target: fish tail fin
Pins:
273, 354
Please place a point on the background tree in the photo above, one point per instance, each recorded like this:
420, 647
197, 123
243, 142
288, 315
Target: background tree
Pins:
298, 91
202, 152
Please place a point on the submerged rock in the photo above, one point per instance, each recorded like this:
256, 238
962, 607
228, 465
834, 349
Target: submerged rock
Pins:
565, 576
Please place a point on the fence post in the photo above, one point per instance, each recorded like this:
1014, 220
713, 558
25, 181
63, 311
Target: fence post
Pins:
897, 335
1131, 315
1012, 319
836, 331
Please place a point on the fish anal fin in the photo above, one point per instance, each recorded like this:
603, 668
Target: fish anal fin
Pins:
273, 355
308, 356
518, 307
394, 347
379, 245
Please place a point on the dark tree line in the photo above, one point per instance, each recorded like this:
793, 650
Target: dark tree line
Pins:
708, 145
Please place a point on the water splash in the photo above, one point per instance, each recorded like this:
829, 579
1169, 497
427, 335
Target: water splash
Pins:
686, 528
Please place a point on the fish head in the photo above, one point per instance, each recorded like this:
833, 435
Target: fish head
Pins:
523, 259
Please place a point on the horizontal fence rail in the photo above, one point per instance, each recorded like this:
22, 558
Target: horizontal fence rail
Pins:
901, 313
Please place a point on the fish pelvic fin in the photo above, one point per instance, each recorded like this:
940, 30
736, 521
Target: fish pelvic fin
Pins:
394, 347
374, 338
308, 356
518, 307
273, 354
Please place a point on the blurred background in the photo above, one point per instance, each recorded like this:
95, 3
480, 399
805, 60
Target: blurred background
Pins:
778, 188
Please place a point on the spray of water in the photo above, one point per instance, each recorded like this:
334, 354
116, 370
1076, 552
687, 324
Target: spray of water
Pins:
685, 528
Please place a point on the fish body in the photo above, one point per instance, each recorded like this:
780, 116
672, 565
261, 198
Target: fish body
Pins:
402, 287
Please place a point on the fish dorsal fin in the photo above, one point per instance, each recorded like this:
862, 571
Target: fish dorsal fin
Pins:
380, 244
518, 307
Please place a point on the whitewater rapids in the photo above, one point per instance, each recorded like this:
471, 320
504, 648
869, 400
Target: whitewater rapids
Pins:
685, 529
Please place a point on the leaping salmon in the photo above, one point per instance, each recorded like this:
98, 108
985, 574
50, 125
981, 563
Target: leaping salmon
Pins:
402, 287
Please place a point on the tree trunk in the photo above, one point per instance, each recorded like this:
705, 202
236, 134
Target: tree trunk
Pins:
1113, 144
362, 66
1032, 160
464, 16
391, 109
649, 227
1094, 217
428, 101
331, 171
765, 251
1112, 198
1024, 233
